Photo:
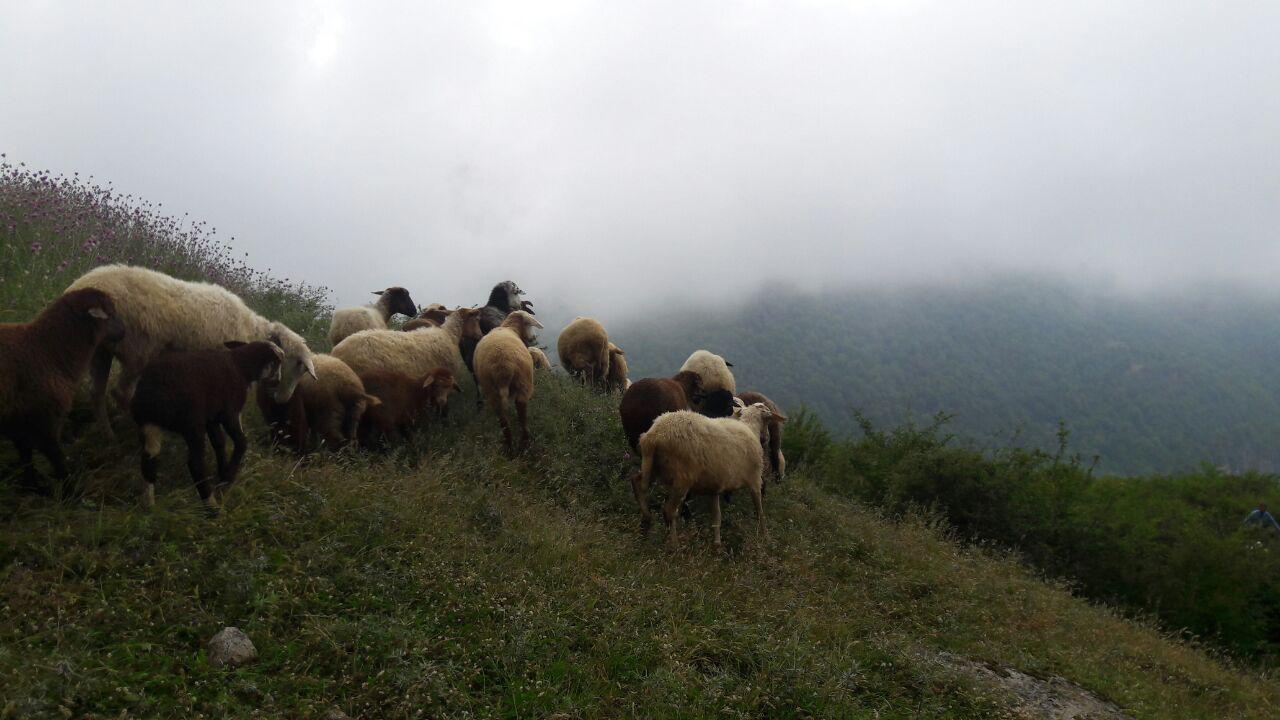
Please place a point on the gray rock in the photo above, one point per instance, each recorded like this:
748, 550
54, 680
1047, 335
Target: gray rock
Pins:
231, 648
335, 713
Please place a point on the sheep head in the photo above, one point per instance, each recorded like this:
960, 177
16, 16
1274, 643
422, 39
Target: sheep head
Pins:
470, 319
523, 324
437, 386
297, 360
397, 301
755, 416
505, 296
98, 310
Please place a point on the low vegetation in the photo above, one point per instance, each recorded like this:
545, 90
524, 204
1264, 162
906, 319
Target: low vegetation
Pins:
446, 579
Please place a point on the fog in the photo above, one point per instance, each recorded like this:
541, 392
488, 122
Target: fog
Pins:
610, 156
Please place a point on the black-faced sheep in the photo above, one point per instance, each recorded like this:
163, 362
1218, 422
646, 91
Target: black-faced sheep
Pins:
328, 406
777, 463
692, 453
504, 298
42, 363
351, 320
583, 347
718, 386
200, 393
413, 353
504, 370
405, 402
163, 313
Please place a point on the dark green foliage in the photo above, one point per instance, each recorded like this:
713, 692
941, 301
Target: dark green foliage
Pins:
1148, 385
1173, 546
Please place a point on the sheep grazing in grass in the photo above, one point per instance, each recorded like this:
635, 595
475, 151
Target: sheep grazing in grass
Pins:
616, 378
694, 454
413, 353
42, 363
328, 406
432, 315
200, 393
540, 359
777, 463
718, 386
404, 402
583, 347
351, 320
163, 313
504, 370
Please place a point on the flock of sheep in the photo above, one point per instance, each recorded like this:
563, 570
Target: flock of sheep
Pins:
189, 353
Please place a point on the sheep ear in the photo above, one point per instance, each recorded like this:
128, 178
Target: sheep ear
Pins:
536, 324
97, 312
726, 362
779, 417
233, 344
378, 292
429, 382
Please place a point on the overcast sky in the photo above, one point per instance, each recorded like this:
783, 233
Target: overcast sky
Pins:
601, 152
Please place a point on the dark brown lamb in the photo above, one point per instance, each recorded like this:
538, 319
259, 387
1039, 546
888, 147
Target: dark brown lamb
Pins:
196, 394
41, 364
648, 398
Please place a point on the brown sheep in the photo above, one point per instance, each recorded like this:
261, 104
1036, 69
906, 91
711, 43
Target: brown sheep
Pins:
328, 406
404, 402
583, 347
198, 393
41, 364
777, 463
504, 370
432, 315
648, 398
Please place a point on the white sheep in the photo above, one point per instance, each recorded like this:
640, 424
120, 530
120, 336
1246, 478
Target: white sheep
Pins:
162, 313
718, 385
583, 347
692, 453
413, 353
351, 320
504, 370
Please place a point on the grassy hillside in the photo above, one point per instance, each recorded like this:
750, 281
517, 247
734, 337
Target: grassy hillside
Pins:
447, 580
1157, 385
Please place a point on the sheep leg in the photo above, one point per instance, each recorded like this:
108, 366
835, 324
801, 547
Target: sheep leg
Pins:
151, 440
671, 509
498, 403
522, 414
219, 442
238, 446
99, 373
640, 486
30, 477
715, 516
757, 496
48, 445
354, 412
195, 465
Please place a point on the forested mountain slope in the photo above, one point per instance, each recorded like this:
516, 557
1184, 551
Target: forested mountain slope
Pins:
1146, 384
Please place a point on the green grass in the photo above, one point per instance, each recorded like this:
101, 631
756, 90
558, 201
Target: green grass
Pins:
447, 580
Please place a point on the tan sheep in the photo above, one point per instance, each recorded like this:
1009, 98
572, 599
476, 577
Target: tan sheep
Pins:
583, 347
692, 453
414, 353
328, 406
540, 359
616, 378
351, 320
504, 370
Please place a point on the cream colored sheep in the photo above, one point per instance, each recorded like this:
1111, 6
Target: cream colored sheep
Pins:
692, 453
540, 359
162, 313
718, 386
351, 320
414, 353
616, 378
583, 347
504, 370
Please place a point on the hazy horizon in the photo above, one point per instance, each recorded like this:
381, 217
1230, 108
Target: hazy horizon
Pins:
600, 155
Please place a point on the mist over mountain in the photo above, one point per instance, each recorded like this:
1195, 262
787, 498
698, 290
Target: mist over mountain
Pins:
1147, 383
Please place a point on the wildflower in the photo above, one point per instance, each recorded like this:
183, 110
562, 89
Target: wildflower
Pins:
36, 247
63, 265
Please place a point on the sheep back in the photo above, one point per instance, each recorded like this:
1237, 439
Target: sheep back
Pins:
349, 321
713, 454
583, 346
503, 362
409, 353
